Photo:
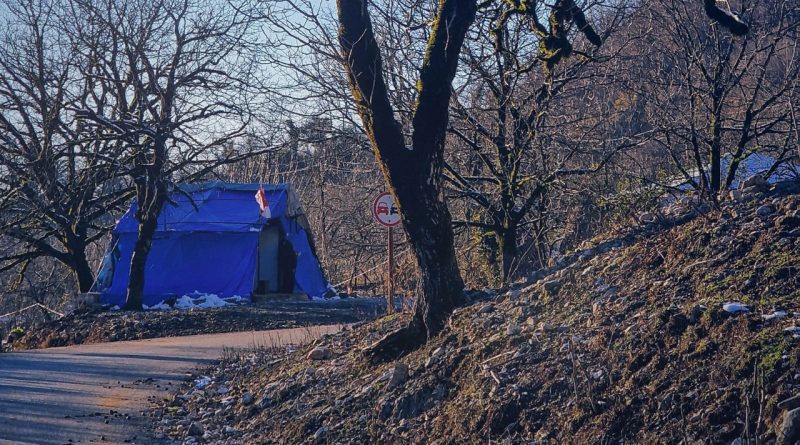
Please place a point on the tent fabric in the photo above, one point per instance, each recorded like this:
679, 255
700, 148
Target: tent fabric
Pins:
207, 242
752, 164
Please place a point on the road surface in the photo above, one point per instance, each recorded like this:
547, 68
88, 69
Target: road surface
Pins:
101, 393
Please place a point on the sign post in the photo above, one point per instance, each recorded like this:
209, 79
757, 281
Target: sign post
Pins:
385, 212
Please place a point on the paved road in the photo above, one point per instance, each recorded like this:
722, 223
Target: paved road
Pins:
99, 393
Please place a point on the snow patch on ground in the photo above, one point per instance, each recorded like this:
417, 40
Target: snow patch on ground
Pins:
734, 308
157, 307
777, 315
197, 300
202, 382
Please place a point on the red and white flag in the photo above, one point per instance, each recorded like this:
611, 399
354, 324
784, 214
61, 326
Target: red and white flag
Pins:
263, 205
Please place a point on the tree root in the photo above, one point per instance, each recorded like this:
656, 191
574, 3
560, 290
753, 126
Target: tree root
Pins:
397, 343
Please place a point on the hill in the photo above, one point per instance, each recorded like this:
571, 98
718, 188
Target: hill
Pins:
682, 329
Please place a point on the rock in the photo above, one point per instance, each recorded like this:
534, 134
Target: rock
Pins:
486, 309
247, 398
757, 181
513, 294
367, 390
647, 218
552, 287
435, 355
790, 403
222, 390
788, 222
264, 402
399, 375
789, 431
545, 327
735, 195
765, 210
195, 430
696, 313
513, 329
229, 429
320, 353
320, 434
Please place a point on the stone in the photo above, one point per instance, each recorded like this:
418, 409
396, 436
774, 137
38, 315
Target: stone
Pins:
398, 375
195, 430
757, 181
735, 195
765, 210
545, 327
435, 355
647, 218
552, 287
229, 429
789, 431
247, 398
486, 309
696, 313
513, 329
320, 434
264, 402
788, 222
320, 353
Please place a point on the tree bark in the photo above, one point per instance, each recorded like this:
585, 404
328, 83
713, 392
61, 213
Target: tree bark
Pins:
83, 273
413, 174
76, 255
510, 252
141, 249
715, 145
151, 194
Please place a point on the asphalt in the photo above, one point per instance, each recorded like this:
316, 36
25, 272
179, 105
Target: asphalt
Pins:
102, 393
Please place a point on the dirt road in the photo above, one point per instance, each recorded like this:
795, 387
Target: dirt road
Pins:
98, 393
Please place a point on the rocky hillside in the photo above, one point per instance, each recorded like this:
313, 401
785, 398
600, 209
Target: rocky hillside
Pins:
683, 329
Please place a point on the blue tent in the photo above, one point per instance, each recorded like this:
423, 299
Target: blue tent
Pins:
212, 239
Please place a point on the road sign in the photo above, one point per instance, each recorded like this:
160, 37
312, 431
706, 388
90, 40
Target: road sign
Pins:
385, 210
386, 213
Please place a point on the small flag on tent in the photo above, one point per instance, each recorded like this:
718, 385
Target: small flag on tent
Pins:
263, 205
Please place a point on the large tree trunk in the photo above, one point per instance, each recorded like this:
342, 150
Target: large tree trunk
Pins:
413, 174
510, 252
83, 273
141, 249
151, 194
715, 145
76, 252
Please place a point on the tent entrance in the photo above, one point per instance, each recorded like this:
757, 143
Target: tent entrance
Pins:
276, 262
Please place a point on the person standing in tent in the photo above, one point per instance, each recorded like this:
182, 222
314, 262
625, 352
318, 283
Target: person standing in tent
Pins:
287, 260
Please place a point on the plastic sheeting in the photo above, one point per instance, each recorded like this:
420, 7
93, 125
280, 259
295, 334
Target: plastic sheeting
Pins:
207, 241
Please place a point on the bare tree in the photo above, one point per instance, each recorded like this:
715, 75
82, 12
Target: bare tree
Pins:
178, 73
413, 173
523, 123
57, 187
711, 96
